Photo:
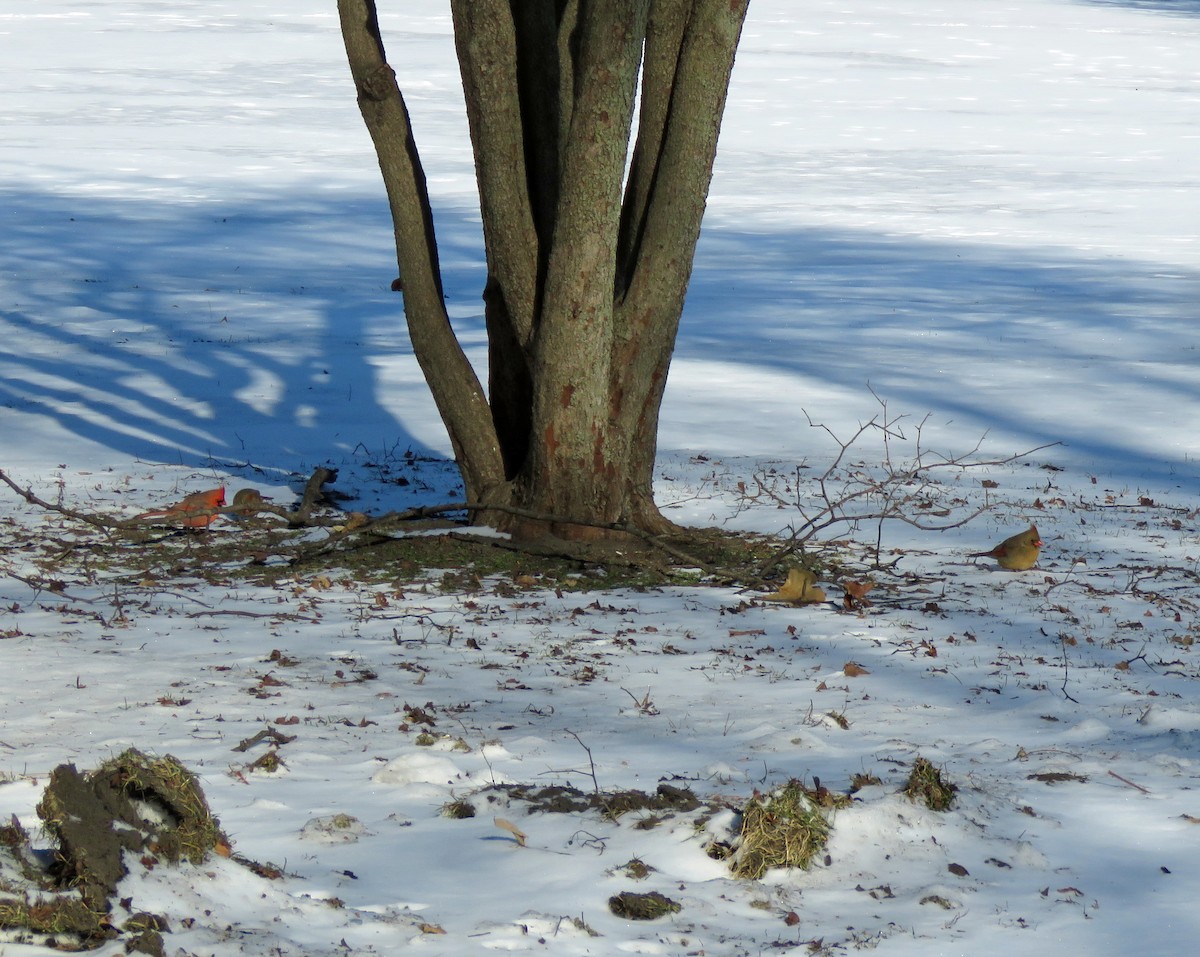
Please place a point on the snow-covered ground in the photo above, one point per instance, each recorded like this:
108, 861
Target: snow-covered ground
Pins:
984, 213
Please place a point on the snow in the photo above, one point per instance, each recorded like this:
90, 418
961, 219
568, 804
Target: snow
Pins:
983, 214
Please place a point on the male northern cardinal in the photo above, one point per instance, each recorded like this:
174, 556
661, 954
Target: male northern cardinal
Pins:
197, 510
1017, 552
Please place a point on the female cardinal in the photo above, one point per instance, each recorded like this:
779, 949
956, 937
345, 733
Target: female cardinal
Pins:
1016, 553
197, 510
248, 502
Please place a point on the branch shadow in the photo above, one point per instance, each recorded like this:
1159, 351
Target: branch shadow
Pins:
260, 332
1176, 8
263, 331
1030, 346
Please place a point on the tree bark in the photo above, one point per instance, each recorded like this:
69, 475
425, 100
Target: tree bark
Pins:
588, 265
456, 389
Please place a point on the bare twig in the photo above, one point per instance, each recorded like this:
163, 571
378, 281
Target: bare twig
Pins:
53, 586
266, 734
591, 761
1137, 787
1066, 670
88, 518
894, 490
238, 613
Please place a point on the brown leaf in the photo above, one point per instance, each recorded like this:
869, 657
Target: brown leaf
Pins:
856, 594
852, 669
512, 829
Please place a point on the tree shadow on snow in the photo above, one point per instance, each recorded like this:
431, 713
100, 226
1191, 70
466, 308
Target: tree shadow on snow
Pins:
1179, 8
264, 331
261, 331
1032, 347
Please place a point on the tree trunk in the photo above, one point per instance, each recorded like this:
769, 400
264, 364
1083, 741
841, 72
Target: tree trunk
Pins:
588, 265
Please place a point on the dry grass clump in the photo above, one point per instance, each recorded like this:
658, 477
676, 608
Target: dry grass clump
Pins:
927, 786
786, 828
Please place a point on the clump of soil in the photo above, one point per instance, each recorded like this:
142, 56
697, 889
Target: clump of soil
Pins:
564, 799
151, 808
631, 906
927, 786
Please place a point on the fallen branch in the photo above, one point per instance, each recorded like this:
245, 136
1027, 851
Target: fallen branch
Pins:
365, 531
33, 499
301, 517
53, 585
379, 530
238, 613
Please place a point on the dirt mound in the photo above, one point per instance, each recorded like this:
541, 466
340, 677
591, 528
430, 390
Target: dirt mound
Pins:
132, 807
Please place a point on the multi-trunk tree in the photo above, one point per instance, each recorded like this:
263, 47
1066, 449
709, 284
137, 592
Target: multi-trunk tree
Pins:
589, 239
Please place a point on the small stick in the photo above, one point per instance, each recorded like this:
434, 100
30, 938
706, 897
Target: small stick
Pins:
1130, 783
263, 735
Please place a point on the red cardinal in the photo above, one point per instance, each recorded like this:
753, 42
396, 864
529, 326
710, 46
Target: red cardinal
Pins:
197, 510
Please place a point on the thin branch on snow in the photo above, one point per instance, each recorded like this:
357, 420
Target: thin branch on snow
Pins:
895, 490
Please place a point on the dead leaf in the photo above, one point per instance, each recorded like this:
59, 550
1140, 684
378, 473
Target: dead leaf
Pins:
852, 669
512, 829
799, 589
431, 929
856, 594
